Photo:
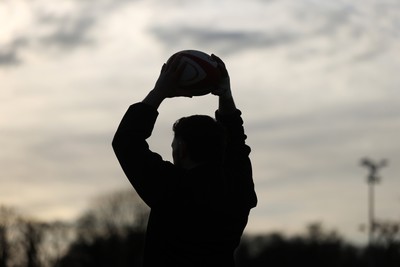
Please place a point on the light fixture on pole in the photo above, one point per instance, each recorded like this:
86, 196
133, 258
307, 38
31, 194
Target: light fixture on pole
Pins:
372, 179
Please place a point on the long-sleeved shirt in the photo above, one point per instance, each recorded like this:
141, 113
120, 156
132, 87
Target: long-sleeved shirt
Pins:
197, 216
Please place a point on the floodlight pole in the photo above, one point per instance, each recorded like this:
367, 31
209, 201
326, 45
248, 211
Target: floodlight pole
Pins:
371, 215
372, 179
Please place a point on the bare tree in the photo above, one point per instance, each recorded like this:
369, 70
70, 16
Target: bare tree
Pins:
4, 248
34, 233
388, 233
8, 221
57, 239
115, 213
316, 233
110, 232
31, 243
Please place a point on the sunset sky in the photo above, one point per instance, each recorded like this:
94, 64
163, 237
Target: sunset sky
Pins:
318, 83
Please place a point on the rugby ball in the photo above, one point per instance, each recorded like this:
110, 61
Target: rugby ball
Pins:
200, 75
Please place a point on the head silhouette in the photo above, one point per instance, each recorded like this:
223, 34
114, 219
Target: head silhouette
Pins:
198, 139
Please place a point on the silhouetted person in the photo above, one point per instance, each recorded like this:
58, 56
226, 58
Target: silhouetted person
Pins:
201, 202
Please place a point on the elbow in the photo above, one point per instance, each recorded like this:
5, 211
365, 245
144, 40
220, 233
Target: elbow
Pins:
116, 143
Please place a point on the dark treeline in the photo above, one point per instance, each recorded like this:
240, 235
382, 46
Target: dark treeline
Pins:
111, 233
316, 247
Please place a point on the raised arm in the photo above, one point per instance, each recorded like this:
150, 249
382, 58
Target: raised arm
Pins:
144, 168
238, 165
226, 104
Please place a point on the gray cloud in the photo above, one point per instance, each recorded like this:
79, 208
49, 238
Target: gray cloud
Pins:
62, 148
8, 57
226, 40
345, 25
74, 28
67, 31
9, 54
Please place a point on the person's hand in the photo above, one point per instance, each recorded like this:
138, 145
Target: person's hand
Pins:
167, 84
224, 85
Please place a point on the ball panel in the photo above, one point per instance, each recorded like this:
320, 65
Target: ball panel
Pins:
193, 72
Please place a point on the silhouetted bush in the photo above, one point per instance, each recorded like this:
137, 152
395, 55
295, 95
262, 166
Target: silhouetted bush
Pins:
113, 251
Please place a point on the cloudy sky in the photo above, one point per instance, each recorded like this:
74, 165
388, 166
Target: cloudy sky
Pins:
317, 81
